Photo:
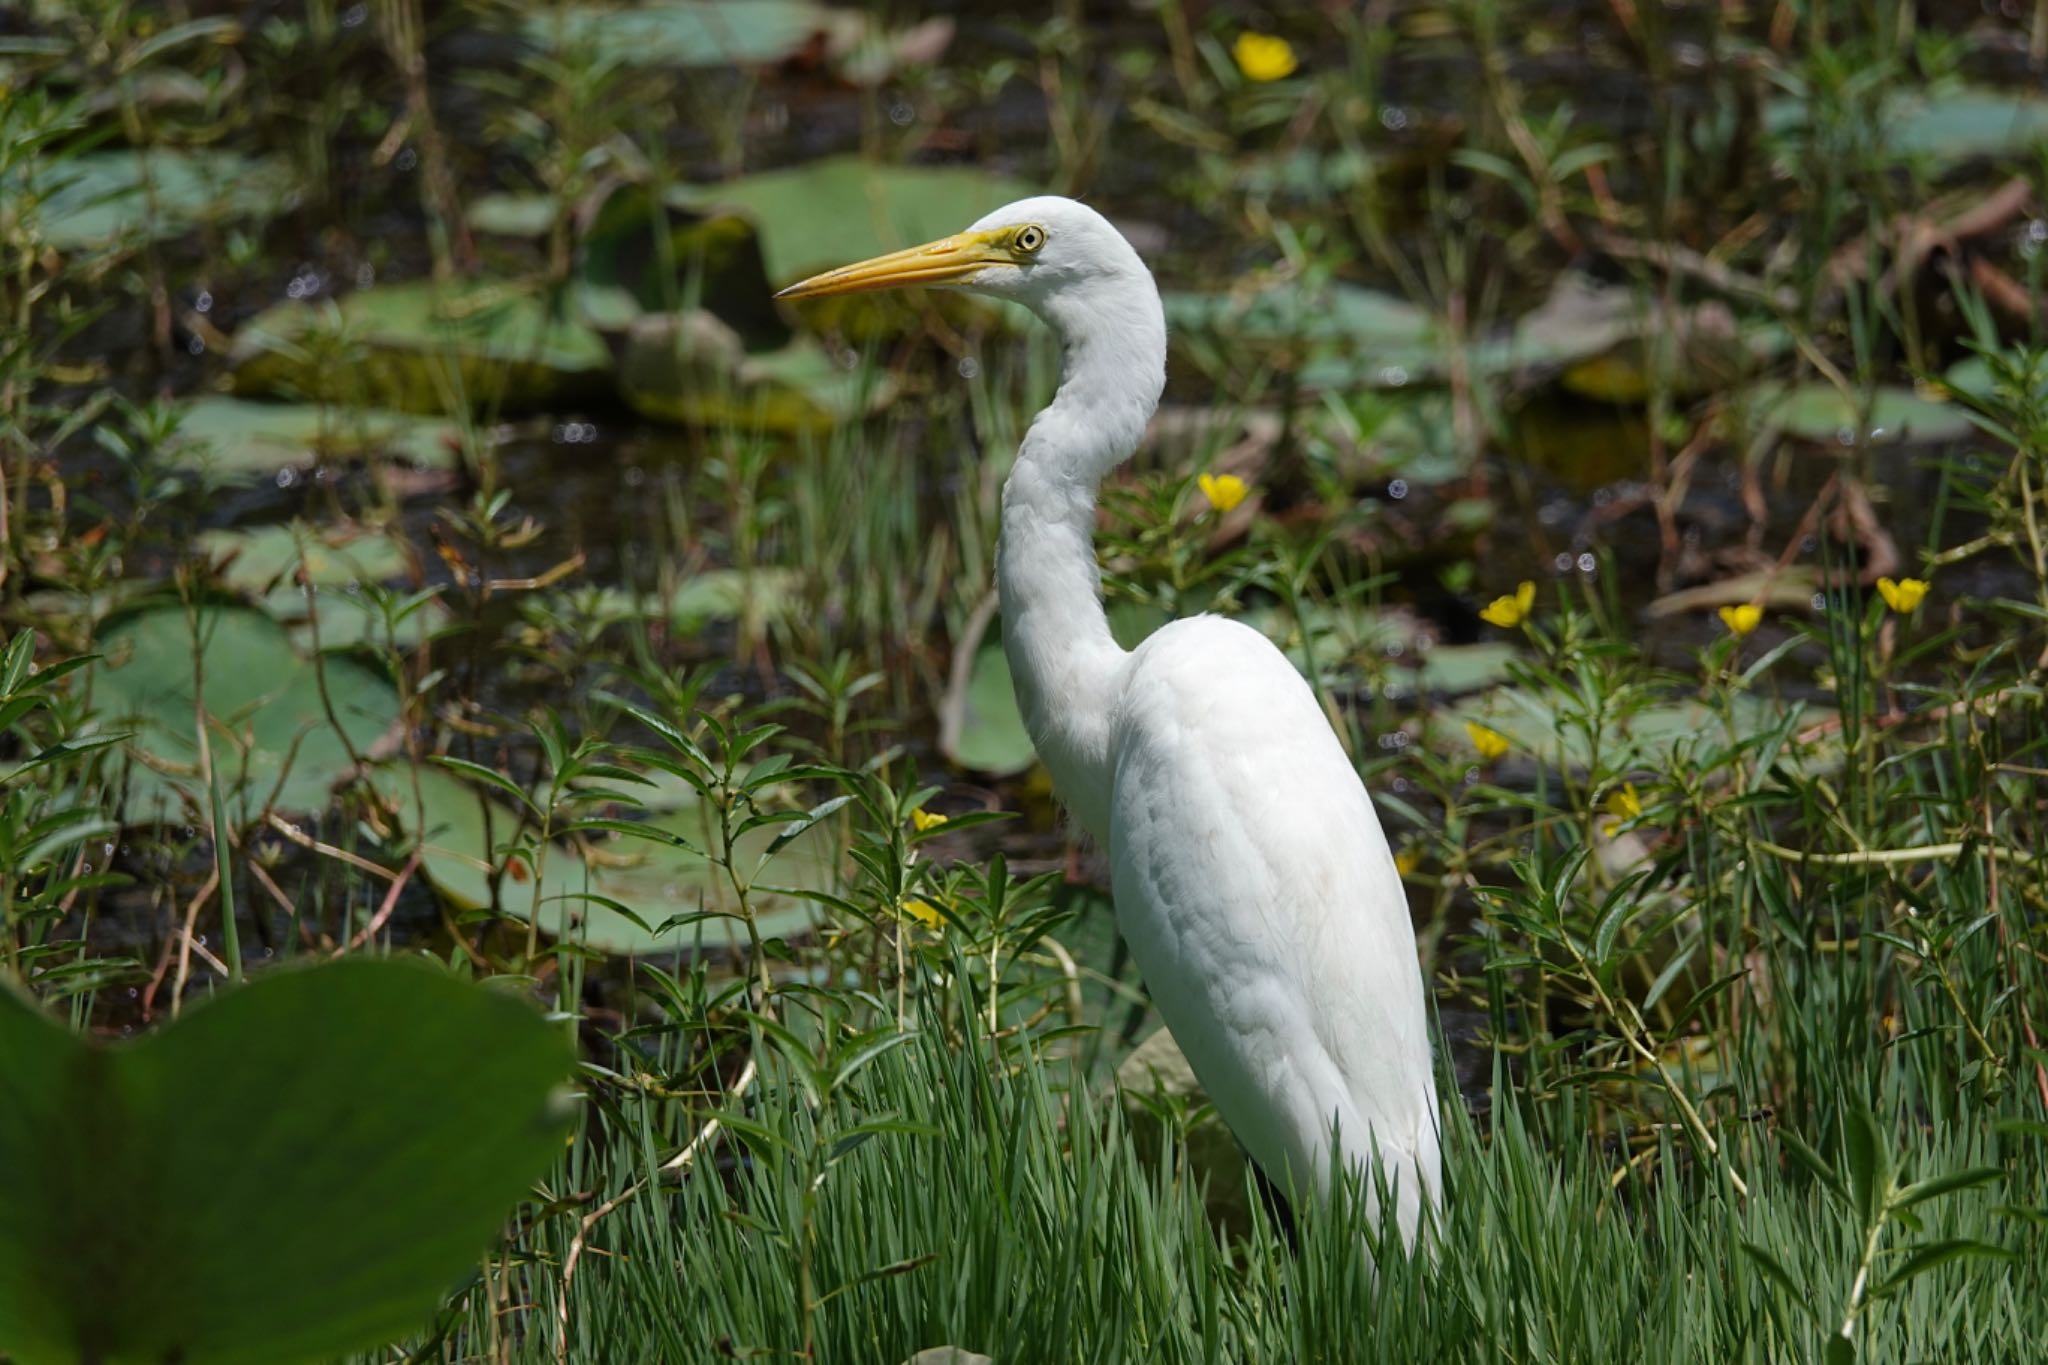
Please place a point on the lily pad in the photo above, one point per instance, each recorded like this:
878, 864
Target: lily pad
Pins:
101, 198
704, 597
826, 213
1959, 125
513, 215
981, 727
268, 727
424, 347
465, 834
266, 562
1653, 738
639, 254
670, 372
389, 1114
1822, 414
250, 439
258, 558
692, 33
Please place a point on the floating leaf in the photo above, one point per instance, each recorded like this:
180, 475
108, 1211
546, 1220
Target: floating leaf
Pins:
266, 561
692, 33
1651, 738
99, 198
466, 833
268, 726
1958, 125
704, 597
250, 439
389, 1114
980, 725
983, 729
258, 558
1822, 414
675, 368
513, 215
872, 209
424, 347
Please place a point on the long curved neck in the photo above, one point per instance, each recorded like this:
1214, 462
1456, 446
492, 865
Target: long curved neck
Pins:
1063, 661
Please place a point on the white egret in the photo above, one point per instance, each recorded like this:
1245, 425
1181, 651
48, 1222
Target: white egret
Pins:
1252, 879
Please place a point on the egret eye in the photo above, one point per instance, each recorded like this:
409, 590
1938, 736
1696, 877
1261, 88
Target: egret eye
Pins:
1031, 238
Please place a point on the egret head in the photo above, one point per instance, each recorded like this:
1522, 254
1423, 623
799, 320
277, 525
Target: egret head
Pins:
1035, 252
1066, 263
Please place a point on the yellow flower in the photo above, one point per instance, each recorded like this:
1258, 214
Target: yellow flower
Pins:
1624, 805
924, 820
1406, 861
925, 913
1263, 57
1743, 619
1508, 612
1224, 491
1902, 596
1490, 743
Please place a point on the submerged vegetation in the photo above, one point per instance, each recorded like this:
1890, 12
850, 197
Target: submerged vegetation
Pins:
422, 535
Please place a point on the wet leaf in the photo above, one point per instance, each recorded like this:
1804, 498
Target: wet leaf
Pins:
693, 33
1957, 125
666, 376
704, 597
983, 730
655, 879
100, 198
828, 213
268, 726
389, 1114
424, 347
236, 436
1821, 414
1652, 737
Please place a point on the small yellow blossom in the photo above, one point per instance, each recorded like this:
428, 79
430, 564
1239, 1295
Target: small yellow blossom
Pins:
1742, 619
1406, 861
1508, 612
1490, 743
925, 913
1224, 491
1902, 596
926, 820
1262, 57
1624, 805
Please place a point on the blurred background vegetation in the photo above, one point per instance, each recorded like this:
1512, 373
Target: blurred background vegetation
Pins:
424, 536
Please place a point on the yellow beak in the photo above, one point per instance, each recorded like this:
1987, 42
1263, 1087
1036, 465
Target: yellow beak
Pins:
950, 260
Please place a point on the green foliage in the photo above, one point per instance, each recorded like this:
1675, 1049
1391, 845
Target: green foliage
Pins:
299, 1168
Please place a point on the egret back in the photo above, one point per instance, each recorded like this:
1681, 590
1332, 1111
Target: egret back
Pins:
1260, 900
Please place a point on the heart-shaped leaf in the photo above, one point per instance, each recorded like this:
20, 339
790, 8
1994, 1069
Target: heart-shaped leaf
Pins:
297, 1169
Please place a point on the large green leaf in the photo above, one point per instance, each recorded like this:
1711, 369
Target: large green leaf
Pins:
687, 33
249, 439
267, 561
982, 728
102, 197
1965, 123
706, 596
1822, 414
298, 1169
269, 729
840, 209
1655, 737
465, 834
424, 347
797, 388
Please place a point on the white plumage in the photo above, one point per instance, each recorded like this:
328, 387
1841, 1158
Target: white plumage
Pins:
1253, 882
